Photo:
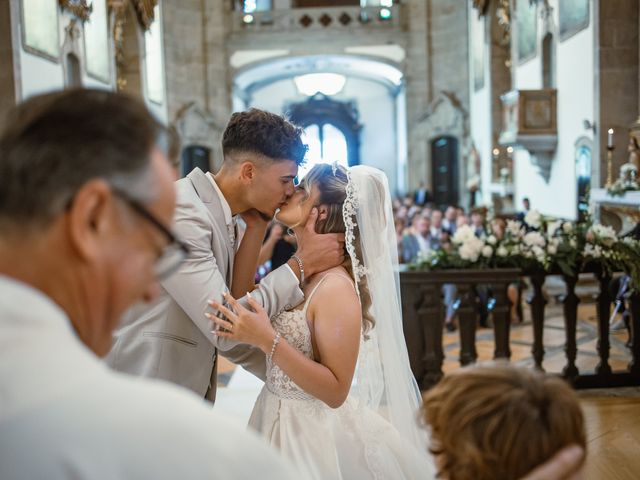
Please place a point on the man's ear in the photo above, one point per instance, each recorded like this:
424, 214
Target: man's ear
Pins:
323, 212
247, 171
90, 218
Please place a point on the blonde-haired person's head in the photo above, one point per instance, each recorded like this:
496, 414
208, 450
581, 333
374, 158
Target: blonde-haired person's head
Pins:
496, 421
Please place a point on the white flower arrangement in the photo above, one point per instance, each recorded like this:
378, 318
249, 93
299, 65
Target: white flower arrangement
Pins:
540, 244
533, 219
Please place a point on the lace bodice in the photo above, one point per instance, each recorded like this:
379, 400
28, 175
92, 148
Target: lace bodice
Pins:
293, 327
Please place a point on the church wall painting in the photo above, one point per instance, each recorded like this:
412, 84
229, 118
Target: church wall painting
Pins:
574, 16
527, 24
40, 34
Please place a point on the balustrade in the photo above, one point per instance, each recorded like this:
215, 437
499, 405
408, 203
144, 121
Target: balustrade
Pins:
423, 317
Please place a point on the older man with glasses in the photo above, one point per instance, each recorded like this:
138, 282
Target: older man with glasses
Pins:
86, 201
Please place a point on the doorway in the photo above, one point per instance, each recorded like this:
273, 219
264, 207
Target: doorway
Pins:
444, 171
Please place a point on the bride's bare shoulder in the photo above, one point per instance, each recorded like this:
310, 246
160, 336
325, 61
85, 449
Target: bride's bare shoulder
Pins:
336, 290
335, 276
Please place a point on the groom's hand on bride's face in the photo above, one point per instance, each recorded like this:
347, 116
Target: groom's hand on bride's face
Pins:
319, 251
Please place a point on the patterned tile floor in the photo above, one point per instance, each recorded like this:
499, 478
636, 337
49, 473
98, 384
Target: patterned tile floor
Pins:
554, 339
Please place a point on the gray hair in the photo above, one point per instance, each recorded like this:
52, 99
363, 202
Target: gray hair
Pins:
55, 143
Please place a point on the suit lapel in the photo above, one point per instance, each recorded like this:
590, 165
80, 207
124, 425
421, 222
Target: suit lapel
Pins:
210, 198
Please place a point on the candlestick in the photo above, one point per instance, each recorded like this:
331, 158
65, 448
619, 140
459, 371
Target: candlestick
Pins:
610, 138
609, 182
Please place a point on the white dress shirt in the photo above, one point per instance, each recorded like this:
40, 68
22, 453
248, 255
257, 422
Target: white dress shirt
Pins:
422, 242
65, 415
230, 219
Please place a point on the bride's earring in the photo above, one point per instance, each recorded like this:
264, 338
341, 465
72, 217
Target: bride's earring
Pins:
291, 232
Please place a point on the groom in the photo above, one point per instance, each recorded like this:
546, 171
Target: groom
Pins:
171, 339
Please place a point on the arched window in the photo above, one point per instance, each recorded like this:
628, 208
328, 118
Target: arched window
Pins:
331, 128
327, 144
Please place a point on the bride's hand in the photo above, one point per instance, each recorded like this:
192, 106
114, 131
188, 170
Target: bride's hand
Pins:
241, 324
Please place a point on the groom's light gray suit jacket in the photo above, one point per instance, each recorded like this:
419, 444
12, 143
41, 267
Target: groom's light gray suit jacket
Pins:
171, 339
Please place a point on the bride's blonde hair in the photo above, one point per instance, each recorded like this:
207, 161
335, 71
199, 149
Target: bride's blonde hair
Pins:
331, 181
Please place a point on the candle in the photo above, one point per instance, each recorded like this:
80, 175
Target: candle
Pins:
610, 138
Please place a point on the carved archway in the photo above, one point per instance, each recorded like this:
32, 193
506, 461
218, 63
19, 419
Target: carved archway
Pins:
321, 110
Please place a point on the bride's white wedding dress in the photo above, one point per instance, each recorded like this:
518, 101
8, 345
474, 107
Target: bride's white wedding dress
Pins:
352, 442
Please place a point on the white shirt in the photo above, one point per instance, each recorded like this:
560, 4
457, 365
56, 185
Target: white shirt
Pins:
229, 218
422, 243
64, 414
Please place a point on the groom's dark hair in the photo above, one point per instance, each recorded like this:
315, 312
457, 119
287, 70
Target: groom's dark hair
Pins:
263, 133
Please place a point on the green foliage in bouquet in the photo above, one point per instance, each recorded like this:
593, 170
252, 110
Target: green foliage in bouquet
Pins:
540, 243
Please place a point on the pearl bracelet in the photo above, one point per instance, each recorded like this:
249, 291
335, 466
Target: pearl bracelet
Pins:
276, 340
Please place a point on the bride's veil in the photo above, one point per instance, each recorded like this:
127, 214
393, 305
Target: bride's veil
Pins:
383, 381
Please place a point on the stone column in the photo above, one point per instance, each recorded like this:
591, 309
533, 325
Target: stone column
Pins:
7, 74
196, 62
617, 75
449, 53
418, 91
185, 60
500, 73
437, 64
220, 18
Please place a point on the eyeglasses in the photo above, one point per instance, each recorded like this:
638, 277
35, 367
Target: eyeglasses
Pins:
175, 251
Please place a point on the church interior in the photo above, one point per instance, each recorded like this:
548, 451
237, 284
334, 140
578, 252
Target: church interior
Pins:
481, 113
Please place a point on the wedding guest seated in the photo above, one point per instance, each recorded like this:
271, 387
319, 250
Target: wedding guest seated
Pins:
86, 201
449, 220
436, 223
477, 223
462, 219
417, 240
496, 421
421, 195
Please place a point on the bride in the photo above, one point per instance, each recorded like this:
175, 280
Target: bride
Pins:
340, 399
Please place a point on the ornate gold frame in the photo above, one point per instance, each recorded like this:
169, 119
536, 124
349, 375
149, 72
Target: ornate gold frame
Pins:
143, 8
78, 7
481, 6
